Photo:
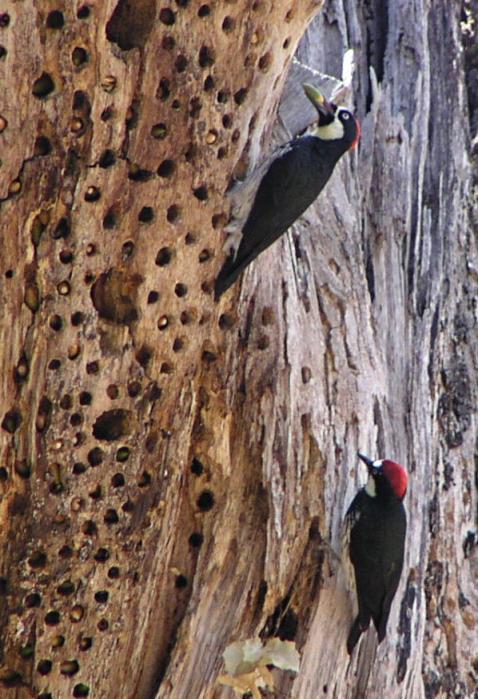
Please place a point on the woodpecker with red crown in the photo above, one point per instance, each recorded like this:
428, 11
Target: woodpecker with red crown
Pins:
374, 532
284, 186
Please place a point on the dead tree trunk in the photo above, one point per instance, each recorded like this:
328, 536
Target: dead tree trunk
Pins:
174, 472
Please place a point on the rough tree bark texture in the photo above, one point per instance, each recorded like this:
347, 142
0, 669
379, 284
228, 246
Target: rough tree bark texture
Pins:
174, 473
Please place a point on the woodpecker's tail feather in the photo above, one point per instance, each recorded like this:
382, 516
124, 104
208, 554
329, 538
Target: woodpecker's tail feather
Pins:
355, 632
226, 278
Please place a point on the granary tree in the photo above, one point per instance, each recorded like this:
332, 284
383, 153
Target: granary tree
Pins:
174, 471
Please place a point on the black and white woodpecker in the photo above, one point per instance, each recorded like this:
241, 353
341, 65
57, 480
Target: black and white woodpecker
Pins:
374, 533
285, 185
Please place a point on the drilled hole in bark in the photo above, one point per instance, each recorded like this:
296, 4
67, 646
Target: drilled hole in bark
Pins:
42, 146
201, 193
109, 220
78, 468
206, 57
96, 493
196, 467
289, 15
205, 501
223, 96
43, 86
138, 174
164, 257
240, 95
204, 11
95, 456
180, 290
52, 618
112, 425
127, 249
11, 421
228, 24
81, 690
118, 481
227, 121
208, 84
221, 153
159, 131
66, 257
102, 555
181, 63
263, 342
130, 24
134, 389
178, 344
32, 600
44, 667
166, 368
107, 158
306, 374
122, 454
164, 89
111, 516
66, 588
62, 229
180, 582
107, 113
114, 573
168, 42
85, 398
195, 107
69, 667
167, 16
92, 367
79, 56
186, 318
153, 297
173, 213
102, 625
286, 43
55, 20
146, 214
265, 62
166, 168
92, 194
89, 528
196, 539
226, 321
83, 12
85, 643
66, 401
101, 596
65, 552
4, 20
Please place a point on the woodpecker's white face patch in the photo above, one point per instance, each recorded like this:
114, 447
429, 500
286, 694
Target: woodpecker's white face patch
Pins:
370, 488
333, 131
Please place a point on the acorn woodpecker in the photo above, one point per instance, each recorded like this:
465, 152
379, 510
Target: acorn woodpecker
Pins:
284, 186
374, 533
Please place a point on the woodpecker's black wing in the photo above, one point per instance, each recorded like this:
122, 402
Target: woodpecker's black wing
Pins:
377, 542
293, 181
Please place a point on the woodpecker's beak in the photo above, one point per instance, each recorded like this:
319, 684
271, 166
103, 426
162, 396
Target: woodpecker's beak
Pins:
368, 462
324, 107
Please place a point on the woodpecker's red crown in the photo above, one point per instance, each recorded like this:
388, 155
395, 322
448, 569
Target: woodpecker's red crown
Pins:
397, 477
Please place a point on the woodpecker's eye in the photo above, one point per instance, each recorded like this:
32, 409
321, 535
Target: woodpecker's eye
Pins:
345, 116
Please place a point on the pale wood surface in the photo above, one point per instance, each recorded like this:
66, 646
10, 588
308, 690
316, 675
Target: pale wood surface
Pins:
273, 391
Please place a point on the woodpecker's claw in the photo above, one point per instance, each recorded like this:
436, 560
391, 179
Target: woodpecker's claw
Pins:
368, 462
318, 100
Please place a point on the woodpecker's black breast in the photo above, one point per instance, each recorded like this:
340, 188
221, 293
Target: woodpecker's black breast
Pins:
293, 181
377, 542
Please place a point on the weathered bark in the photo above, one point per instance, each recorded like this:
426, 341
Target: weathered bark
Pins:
174, 472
